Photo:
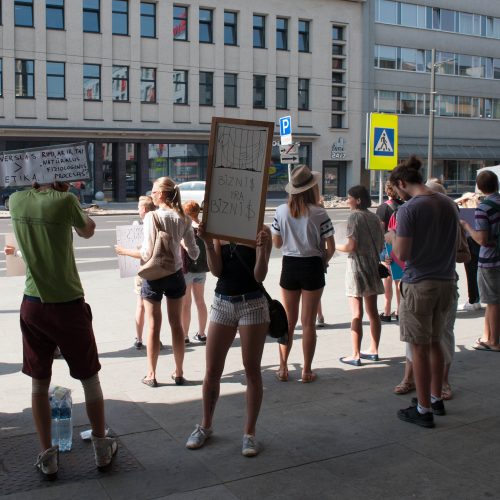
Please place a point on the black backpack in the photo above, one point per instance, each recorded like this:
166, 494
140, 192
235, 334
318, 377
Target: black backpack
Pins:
199, 265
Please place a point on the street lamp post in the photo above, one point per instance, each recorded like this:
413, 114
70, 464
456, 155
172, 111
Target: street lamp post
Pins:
432, 111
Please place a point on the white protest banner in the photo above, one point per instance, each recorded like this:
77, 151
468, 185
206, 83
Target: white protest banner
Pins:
129, 237
63, 163
239, 157
14, 264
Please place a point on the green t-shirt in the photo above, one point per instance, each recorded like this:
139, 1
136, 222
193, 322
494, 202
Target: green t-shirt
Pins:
43, 222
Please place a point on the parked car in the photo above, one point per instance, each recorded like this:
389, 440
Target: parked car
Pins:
193, 190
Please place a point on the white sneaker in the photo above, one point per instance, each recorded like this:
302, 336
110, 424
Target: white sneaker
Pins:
198, 437
104, 451
320, 322
470, 307
48, 463
249, 448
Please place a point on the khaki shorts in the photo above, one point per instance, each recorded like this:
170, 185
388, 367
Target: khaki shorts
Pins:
425, 310
488, 280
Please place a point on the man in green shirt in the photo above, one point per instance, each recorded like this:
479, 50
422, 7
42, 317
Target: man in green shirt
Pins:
54, 312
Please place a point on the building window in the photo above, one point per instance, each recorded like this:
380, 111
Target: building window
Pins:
120, 17
206, 88
304, 93
25, 78
387, 12
120, 83
180, 78
339, 54
91, 82
91, 16
304, 35
230, 28
337, 121
230, 90
23, 13
206, 25
148, 85
180, 23
54, 14
281, 92
259, 91
148, 20
281, 33
259, 32
56, 80
1, 77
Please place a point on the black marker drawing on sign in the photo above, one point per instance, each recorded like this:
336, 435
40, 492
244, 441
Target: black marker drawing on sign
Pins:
240, 148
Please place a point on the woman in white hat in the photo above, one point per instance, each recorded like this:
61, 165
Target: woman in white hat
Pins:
304, 232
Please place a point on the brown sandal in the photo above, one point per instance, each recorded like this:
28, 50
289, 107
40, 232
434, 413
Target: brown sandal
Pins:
446, 392
282, 375
404, 387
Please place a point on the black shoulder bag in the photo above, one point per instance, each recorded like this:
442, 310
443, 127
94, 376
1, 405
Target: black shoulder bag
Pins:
278, 327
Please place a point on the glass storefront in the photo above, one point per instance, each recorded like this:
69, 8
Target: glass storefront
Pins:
278, 172
181, 162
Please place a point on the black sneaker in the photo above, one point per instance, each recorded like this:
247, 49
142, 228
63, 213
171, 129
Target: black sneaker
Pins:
200, 338
187, 341
437, 407
138, 344
412, 415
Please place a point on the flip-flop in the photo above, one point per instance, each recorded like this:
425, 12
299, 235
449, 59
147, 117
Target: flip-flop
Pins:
308, 378
369, 356
282, 375
483, 346
446, 392
150, 382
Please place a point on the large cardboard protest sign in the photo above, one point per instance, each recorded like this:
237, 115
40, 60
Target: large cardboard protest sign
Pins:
129, 237
63, 163
239, 156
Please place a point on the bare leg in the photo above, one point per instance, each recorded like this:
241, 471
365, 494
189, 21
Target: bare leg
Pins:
199, 299
375, 328
174, 313
310, 301
493, 315
153, 313
356, 304
387, 295
95, 412
186, 309
253, 338
428, 366
320, 312
139, 318
219, 340
291, 301
398, 296
41, 413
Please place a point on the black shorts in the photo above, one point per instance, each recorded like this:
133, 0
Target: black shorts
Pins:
172, 286
302, 273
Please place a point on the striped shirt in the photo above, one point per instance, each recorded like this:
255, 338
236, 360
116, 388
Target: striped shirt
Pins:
486, 218
302, 236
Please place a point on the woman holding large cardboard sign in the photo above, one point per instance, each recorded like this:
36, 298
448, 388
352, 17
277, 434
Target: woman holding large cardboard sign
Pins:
239, 304
304, 232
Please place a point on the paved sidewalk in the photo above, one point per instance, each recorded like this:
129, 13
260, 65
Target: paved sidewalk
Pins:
336, 438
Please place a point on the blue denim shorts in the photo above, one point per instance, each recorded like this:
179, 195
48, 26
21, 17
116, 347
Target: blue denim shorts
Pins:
172, 286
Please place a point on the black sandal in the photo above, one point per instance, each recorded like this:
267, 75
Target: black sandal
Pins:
178, 380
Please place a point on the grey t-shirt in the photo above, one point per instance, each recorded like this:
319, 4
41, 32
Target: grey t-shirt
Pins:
432, 222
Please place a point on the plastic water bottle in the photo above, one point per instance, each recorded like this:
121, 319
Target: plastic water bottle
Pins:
65, 425
54, 413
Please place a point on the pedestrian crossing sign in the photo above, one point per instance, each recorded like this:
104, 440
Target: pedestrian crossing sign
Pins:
383, 141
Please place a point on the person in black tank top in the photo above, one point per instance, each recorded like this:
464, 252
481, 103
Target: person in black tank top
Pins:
239, 305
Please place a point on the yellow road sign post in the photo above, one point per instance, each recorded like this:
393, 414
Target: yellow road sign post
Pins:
383, 142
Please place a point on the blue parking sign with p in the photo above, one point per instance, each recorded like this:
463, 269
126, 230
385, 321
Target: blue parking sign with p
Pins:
286, 125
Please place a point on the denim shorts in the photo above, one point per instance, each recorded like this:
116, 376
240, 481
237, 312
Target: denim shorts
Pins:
195, 278
488, 280
172, 286
247, 312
